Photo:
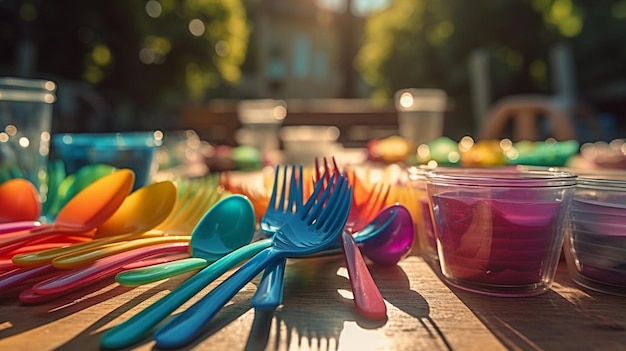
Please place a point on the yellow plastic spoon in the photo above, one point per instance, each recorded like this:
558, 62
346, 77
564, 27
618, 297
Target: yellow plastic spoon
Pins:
171, 232
142, 210
224, 228
84, 212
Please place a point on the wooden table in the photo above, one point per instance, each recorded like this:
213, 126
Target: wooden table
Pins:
318, 314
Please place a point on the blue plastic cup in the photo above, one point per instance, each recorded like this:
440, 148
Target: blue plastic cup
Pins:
133, 150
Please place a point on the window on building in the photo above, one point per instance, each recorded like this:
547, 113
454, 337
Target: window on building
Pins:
301, 55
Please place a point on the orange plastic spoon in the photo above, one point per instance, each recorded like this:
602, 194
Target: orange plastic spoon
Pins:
19, 201
141, 211
88, 209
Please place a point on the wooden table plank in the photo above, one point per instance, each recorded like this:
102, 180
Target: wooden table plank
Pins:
318, 314
565, 318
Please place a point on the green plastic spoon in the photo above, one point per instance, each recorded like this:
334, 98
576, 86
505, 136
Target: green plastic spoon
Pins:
226, 226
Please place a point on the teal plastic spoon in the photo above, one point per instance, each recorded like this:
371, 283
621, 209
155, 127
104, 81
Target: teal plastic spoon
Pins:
226, 226
141, 324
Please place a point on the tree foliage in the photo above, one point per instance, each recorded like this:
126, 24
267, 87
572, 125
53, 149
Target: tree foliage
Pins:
427, 43
144, 52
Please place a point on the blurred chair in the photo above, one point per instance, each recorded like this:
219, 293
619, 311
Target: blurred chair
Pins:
525, 113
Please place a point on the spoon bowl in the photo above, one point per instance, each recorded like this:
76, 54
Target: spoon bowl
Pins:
138, 326
19, 201
212, 239
312, 228
394, 239
141, 210
175, 228
83, 213
225, 227
71, 185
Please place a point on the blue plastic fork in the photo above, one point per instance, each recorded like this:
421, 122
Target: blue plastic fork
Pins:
140, 325
312, 228
269, 293
367, 298
278, 210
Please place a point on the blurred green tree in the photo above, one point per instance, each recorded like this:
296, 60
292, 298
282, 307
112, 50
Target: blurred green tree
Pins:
422, 43
432, 41
147, 56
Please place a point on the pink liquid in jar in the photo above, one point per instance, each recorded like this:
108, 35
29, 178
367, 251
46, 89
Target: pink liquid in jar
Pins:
497, 241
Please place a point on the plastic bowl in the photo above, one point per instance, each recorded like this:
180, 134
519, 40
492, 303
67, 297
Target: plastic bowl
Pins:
595, 249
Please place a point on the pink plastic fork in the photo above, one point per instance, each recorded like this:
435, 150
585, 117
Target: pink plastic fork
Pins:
368, 300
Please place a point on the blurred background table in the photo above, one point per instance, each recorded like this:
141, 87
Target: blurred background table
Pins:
318, 314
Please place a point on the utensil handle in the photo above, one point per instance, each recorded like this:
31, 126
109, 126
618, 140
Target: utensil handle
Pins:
10, 227
30, 297
14, 240
11, 279
82, 276
183, 327
139, 325
367, 298
154, 273
269, 293
46, 256
80, 258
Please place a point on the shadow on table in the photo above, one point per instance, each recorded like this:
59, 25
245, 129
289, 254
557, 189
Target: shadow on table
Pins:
392, 280
565, 317
323, 315
313, 314
312, 309
72, 303
59, 307
89, 338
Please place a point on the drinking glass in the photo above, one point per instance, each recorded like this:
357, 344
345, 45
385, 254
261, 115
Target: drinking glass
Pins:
500, 231
25, 122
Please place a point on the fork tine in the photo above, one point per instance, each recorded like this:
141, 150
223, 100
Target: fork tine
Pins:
311, 200
196, 204
314, 213
272, 202
323, 220
378, 196
317, 188
181, 202
199, 196
317, 169
344, 208
299, 195
335, 163
330, 222
382, 194
331, 199
295, 189
281, 203
205, 200
327, 167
